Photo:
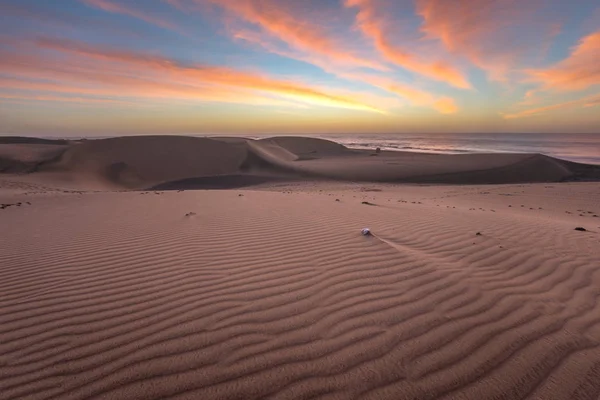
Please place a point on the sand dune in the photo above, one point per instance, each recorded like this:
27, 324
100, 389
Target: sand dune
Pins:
462, 291
26, 157
173, 162
138, 162
31, 140
276, 294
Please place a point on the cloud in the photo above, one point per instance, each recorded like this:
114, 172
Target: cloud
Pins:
418, 97
118, 8
585, 102
77, 100
373, 26
108, 71
295, 27
307, 41
126, 87
494, 35
271, 45
444, 105
579, 71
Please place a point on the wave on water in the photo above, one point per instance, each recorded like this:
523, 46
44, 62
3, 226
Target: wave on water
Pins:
583, 148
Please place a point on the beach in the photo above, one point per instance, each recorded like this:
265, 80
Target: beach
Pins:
227, 268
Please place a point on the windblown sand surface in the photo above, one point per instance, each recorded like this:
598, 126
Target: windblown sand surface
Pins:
271, 291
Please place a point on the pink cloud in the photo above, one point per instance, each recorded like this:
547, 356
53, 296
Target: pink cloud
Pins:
370, 21
308, 41
585, 102
579, 71
494, 35
115, 72
295, 26
415, 96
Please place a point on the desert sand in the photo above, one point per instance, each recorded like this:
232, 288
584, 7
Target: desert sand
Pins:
226, 268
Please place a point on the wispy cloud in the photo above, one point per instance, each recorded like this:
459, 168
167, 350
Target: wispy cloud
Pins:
373, 56
121, 73
406, 91
585, 102
579, 71
444, 105
119, 8
372, 24
267, 43
295, 28
415, 96
492, 34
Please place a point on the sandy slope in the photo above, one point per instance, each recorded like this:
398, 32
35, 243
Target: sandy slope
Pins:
275, 294
272, 292
137, 162
146, 162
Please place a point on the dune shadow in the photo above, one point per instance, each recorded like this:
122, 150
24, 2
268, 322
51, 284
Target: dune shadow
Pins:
220, 182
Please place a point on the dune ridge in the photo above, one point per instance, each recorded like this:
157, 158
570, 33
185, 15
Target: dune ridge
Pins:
176, 162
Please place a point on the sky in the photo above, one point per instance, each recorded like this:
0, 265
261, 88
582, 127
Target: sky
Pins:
108, 67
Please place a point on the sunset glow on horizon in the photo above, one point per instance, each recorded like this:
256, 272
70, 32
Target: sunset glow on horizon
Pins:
104, 67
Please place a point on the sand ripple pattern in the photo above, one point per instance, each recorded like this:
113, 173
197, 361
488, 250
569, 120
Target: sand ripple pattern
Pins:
278, 296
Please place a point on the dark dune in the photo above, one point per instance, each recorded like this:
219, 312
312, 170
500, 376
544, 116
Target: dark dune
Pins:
178, 162
30, 140
223, 182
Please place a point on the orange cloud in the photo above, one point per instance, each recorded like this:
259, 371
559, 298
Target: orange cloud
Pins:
121, 73
585, 102
373, 27
135, 88
117, 8
296, 29
492, 34
308, 42
579, 71
216, 75
444, 105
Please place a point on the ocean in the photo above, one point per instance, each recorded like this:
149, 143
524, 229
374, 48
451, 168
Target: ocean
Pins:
583, 148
